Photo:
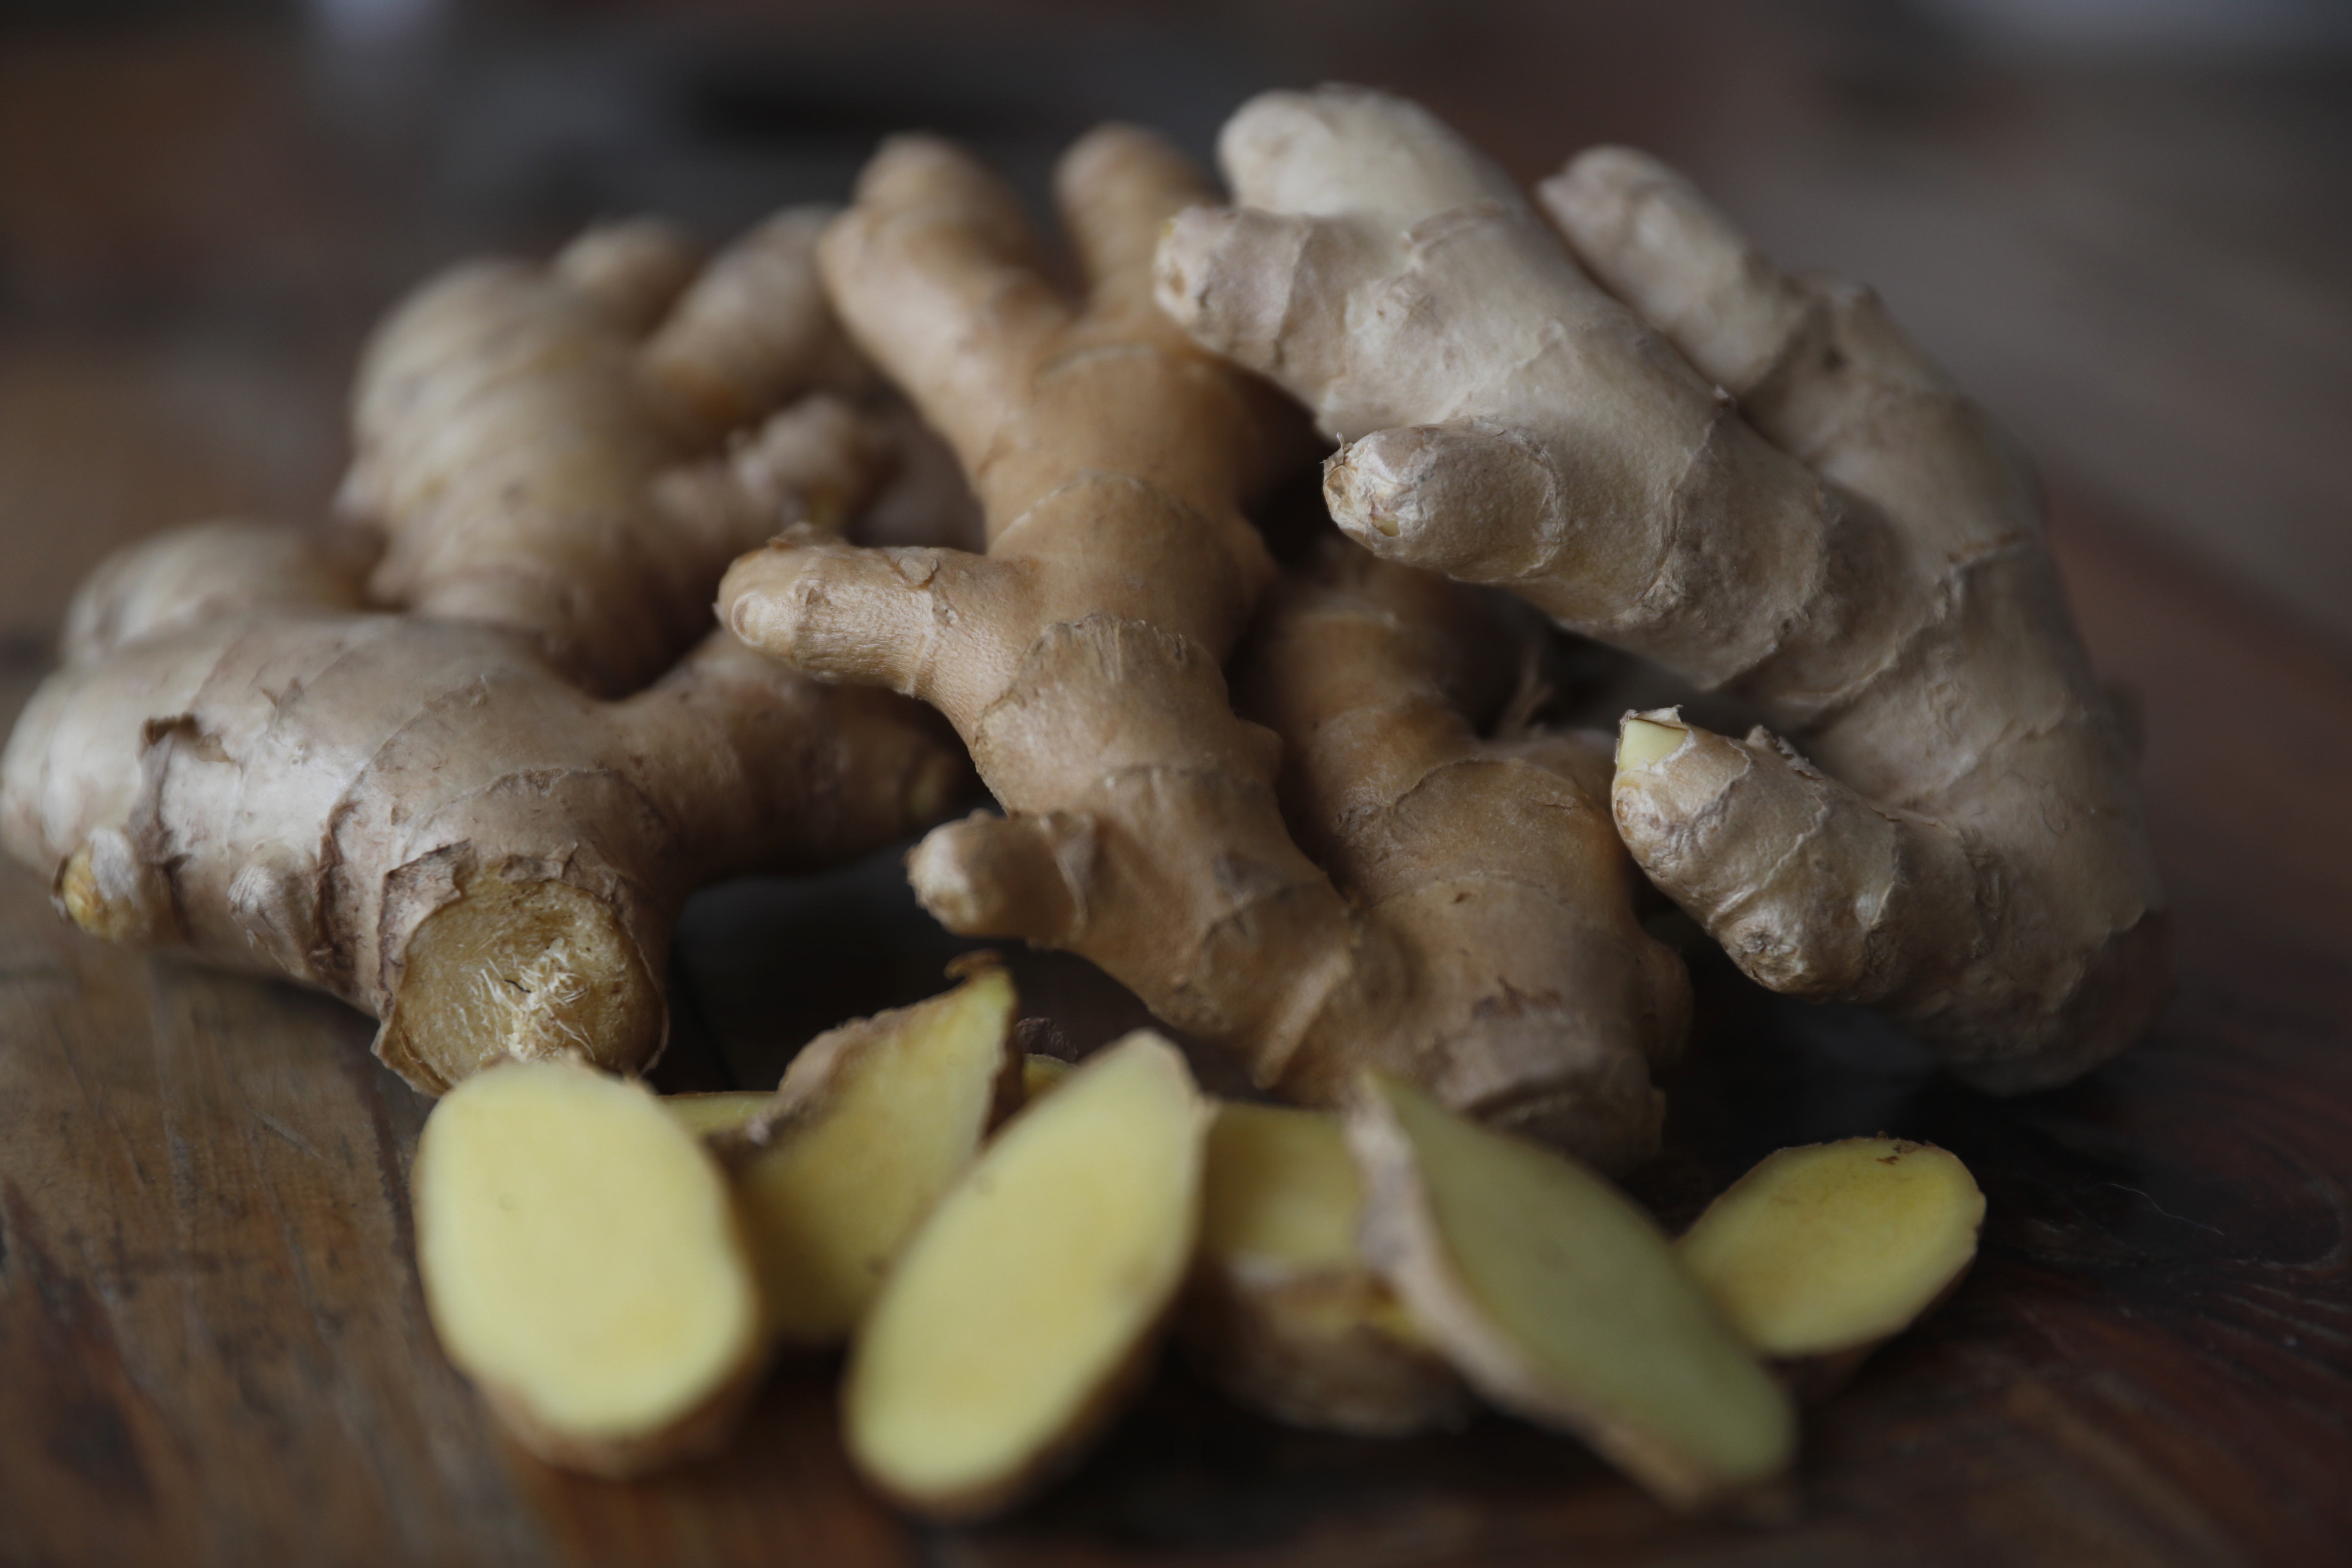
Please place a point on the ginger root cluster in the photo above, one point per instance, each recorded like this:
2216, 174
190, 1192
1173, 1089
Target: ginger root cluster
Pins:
460, 759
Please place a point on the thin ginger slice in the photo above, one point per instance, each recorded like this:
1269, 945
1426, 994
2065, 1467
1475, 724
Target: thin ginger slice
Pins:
874, 1122
1820, 1254
1559, 1299
1283, 1313
1028, 1303
582, 1264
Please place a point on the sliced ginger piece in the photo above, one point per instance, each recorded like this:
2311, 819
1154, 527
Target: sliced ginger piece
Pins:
582, 1264
1283, 1313
1029, 1302
1822, 1253
874, 1122
1559, 1299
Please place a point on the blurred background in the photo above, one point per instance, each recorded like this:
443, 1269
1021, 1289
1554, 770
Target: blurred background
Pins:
2125, 224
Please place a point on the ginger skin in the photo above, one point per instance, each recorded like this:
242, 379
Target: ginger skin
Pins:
510, 423
1373, 674
425, 817
429, 814
1837, 535
1080, 661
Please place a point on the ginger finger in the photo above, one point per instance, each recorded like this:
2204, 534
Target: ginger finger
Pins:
204, 572
1543, 1002
1861, 556
1820, 1254
582, 1265
509, 422
1559, 1301
1029, 1302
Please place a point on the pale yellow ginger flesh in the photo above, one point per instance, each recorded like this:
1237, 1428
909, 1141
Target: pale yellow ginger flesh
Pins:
715, 1112
1559, 1299
1283, 1313
1831, 1249
1082, 660
1641, 742
582, 1264
872, 1123
1029, 1302
1281, 1187
1612, 403
1042, 1074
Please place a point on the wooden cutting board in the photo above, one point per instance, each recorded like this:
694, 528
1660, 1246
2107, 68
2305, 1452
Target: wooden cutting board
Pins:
213, 1349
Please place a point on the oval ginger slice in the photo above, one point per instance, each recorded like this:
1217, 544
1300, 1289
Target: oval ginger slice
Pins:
1030, 1299
582, 1264
1560, 1300
1820, 1253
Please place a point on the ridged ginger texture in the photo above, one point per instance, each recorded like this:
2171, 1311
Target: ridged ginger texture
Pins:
1630, 418
428, 815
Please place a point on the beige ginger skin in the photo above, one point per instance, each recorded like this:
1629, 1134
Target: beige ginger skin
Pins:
1661, 440
429, 816
510, 422
1079, 659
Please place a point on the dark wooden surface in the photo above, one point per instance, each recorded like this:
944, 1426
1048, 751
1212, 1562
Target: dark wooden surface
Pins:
212, 1346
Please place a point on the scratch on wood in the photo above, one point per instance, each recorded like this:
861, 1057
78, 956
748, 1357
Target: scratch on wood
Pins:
2154, 1204
371, 1078
288, 1133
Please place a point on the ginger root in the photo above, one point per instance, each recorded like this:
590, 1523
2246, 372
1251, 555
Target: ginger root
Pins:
1559, 1299
1080, 660
1282, 1313
1820, 1254
582, 1265
429, 813
424, 817
1850, 544
1029, 1302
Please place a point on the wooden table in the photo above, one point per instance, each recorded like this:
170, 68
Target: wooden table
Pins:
213, 1349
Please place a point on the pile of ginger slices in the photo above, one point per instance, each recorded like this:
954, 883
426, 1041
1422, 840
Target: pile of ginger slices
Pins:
1000, 1242
461, 760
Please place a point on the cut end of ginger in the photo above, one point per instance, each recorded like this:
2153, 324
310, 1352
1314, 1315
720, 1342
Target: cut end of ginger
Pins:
1560, 1300
1642, 741
583, 1265
1030, 1299
1835, 1246
874, 1122
528, 970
